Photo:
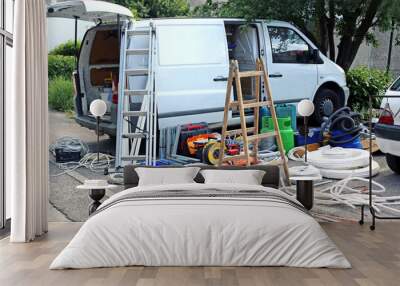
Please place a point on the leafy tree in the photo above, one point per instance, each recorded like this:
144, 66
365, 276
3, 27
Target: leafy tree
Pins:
65, 49
338, 27
155, 8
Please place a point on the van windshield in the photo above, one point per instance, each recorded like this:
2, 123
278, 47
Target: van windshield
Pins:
396, 85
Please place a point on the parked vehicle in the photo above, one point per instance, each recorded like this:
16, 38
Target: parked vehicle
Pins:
387, 130
192, 64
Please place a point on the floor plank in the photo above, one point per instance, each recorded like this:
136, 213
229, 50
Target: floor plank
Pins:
375, 257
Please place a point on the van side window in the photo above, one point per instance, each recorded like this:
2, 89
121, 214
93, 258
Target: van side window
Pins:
288, 46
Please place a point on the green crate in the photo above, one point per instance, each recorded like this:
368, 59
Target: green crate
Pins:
284, 123
287, 137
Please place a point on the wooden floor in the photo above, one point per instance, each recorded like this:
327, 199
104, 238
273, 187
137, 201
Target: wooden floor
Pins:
375, 257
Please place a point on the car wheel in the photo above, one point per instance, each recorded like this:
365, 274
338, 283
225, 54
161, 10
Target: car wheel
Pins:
393, 162
326, 102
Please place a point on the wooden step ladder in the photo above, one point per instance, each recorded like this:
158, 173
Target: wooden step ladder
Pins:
234, 76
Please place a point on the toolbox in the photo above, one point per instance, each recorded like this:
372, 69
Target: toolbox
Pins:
64, 155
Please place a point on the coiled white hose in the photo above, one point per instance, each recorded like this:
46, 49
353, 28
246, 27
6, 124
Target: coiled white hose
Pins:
342, 193
89, 160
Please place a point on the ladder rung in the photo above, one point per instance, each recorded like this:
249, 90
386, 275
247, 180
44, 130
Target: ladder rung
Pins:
134, 135
133, 158
137, 52
135, 113
239, 131
143, 32
137, 72
250, 73
251, 103
241, 156
257, 104
138, 92
236, 103
261, 136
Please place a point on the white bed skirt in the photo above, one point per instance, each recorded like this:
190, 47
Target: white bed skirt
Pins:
200, 232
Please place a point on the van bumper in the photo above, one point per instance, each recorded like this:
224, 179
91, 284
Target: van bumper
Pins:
89, 122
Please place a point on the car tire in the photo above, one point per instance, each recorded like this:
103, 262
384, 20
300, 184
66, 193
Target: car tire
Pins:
326, 102
393, 162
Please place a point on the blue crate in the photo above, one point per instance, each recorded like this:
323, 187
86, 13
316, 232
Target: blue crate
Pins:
314, 136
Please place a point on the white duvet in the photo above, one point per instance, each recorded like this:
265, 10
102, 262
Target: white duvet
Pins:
200, 231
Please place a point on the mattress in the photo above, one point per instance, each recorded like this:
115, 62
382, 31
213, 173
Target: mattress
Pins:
200, 225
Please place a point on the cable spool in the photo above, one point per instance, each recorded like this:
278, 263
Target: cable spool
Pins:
338, 158
362, 172
88, 160
211, 152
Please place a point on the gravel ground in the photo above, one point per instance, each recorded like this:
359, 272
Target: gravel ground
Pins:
68, 203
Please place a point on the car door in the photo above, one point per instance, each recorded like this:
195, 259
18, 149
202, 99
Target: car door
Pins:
292, 71
192, 67
393, 100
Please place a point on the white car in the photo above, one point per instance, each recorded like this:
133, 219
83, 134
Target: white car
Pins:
387, 130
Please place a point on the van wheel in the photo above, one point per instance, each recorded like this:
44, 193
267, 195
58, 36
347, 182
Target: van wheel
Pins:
393, 162
326, 102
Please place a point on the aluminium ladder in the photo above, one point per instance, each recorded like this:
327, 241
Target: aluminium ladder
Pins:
234, 77
137, 114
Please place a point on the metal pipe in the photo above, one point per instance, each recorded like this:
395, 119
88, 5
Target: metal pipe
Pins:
119, 31
390, 47
98, 137
370, 148
76, 44
305, 137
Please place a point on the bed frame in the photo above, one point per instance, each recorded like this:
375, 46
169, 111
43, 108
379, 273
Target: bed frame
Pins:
270, 179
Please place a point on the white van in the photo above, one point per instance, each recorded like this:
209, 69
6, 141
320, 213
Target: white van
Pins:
192, 63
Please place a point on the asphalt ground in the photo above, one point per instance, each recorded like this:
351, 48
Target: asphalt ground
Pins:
66, 201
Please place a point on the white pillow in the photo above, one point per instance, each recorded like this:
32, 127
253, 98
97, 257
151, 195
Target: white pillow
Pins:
243, 177
166, 176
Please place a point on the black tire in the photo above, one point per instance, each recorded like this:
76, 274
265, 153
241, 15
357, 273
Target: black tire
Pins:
326, 102
393, 162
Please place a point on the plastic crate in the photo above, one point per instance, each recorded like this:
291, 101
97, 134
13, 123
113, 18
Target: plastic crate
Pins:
282, 111
283, 123
313, 137
287, 137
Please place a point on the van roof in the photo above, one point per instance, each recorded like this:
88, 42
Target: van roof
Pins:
205, 19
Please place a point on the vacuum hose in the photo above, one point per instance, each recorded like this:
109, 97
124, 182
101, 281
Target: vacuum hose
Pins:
344, 120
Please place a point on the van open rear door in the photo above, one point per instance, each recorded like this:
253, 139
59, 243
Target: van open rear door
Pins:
92, 11
192, 70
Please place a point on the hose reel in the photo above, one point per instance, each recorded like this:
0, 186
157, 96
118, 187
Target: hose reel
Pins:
345, 120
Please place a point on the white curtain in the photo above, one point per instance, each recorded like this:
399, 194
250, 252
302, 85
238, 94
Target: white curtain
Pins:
27, 124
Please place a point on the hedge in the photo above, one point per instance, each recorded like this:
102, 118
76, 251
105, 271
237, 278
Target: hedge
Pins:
61, 66
363, 81
61, 94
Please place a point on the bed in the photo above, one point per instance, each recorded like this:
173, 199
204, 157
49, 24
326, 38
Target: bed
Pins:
198, 224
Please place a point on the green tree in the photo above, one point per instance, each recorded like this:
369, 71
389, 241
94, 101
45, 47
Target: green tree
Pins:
155, 8
65, 49
337, 27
